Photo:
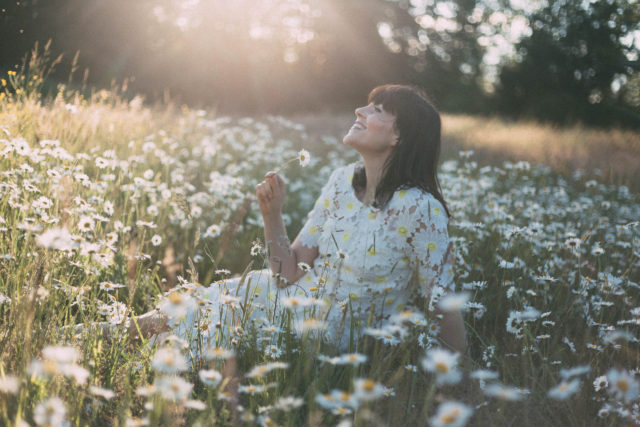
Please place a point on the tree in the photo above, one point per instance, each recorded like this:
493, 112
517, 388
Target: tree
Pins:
579, 64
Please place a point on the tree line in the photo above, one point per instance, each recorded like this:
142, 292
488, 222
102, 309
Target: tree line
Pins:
563, 61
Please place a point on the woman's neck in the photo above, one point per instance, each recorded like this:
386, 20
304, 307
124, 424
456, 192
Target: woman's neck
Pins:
373, 168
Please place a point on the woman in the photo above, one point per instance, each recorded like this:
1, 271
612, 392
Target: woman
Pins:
376, 237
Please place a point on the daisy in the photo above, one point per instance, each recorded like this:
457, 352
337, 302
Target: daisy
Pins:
177, 304
260, 370
218, 353
304, 158
251, 389
287, 403
210, 377
273, 351
102, 392
444, 364
600, 383
169, 360
56, 238
9, 384
623, 385
451, 414
366, 389
564, 390
173, 388
86, 224
156, 240
454, 302
51, 412
353, 359
109, 286
212, 231
503, 392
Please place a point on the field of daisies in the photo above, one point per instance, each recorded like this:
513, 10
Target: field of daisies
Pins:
110, 209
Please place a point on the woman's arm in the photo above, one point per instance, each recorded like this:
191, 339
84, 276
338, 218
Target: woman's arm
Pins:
283, 256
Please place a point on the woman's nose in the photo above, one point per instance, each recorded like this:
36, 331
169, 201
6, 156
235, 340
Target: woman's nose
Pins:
360, 112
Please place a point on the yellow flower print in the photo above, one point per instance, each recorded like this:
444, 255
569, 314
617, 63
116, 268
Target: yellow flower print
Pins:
327, 203
381, 279
353, 296
372, 251
405, 260
402, 193
402, 230
313, 229
350, 206
390, 301
431, 246
345, 237
373, 215
399, 307
436, 210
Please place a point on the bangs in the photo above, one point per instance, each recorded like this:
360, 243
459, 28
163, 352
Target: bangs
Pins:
388, 96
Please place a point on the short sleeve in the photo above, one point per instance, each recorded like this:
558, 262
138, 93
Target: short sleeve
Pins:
312, 229
432, 252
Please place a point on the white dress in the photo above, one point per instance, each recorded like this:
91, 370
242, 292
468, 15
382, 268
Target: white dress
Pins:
362, 276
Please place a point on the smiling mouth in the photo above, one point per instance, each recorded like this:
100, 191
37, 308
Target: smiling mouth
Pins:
358, 126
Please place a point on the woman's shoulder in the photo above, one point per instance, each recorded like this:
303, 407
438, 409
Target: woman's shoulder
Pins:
343, 174
421, 202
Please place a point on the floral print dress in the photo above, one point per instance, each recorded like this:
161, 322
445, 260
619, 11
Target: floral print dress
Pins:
372, 262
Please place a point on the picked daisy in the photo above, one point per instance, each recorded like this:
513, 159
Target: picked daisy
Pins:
304, 158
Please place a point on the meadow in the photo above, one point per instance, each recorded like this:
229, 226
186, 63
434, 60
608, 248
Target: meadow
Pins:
110, 207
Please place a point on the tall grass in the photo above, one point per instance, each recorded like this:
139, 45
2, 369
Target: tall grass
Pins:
159, 200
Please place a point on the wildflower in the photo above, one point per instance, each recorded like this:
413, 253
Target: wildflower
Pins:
210, 377
273, 351
353, 359
366, 389
503, 392
56, 238
195, 404
212, 231
389, 391
564, 390
287, 403
260, 370
411, 368
304, 158
251, 389
86, 224
311, 324
156, 240
218, 353
169, 360
176, 304
9, 384
102, 392
443, 363
299, 302
623, 385
484, 375
51, 412
451, 414
173, 388
454, 302
565, 374
109, 286
600, 383
304, 266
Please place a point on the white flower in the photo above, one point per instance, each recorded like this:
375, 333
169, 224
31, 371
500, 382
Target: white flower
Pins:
451, 414
503, 392
169, 360
9, 384
304, 158
259, 371
102, 392
443, 363
173, 388
564, 390
212, 231
56, 238
366, 389
86, 224
156, 240
600, 383
210, 377
218, 353
454, 302
51, 412
623, 385
109, 286
287, 403
177, 304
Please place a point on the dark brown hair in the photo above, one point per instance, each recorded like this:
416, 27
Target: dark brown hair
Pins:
413, 162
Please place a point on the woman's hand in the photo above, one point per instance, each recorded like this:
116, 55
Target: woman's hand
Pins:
270, 194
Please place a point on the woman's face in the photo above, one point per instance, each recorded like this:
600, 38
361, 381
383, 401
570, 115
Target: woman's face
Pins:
373, 131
